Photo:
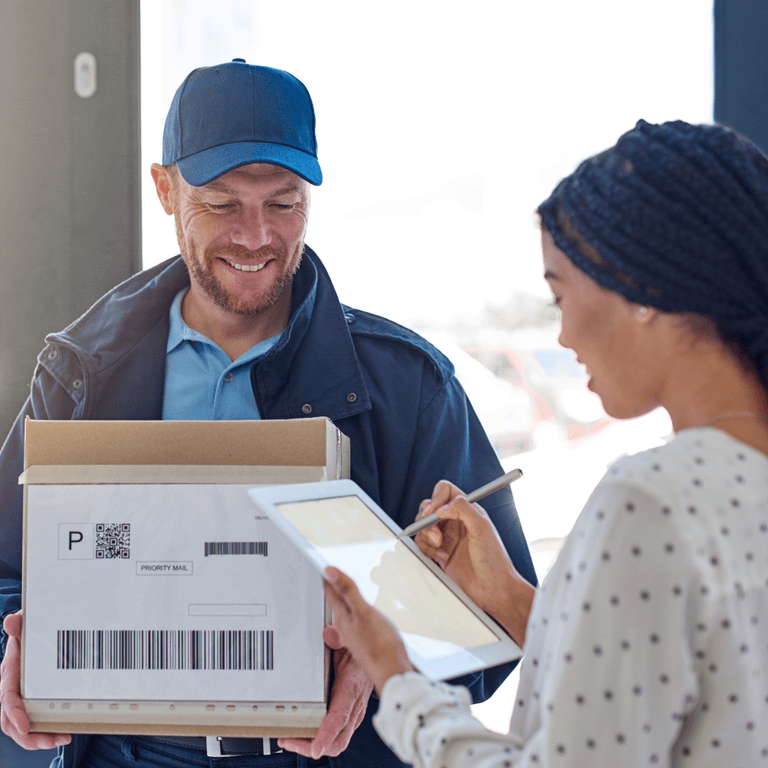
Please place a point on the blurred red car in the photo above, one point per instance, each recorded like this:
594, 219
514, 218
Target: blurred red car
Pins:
563, 407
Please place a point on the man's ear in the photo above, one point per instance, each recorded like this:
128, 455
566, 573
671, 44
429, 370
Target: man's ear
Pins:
164, 187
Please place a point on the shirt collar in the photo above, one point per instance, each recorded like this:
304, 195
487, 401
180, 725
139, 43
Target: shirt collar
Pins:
179, 330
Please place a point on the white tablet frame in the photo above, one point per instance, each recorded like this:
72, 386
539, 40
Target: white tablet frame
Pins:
447, 667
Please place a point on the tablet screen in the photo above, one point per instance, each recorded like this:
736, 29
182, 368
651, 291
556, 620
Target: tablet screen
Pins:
389, 575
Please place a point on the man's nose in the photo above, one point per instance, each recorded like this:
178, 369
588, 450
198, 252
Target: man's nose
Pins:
251, 230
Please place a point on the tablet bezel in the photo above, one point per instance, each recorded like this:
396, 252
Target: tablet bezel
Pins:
454, 665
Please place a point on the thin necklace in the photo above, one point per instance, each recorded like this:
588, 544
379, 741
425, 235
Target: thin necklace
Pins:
734, 415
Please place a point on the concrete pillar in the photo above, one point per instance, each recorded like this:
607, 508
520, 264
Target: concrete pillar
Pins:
70, 215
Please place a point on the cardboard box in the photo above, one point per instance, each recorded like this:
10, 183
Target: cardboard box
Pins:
157, 599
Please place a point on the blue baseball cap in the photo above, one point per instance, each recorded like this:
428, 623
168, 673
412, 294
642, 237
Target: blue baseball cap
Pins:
234, 114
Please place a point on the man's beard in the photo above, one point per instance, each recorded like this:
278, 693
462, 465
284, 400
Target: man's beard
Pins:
201, 272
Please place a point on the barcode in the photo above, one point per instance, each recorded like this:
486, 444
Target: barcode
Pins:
165, 649
236, 548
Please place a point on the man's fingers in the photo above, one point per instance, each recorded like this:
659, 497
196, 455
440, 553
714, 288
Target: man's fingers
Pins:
332, 737
342, 739
332, 638
332, 725
12, 625
302, 747
28, 740
360, 709
10, 680
337, 746
17, 719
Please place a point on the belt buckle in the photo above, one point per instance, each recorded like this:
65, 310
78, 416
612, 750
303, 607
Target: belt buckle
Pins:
213, 747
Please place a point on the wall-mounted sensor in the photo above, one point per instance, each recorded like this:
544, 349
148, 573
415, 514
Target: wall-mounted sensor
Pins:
85, 75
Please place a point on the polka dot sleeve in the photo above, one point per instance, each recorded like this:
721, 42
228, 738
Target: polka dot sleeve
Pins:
430, 724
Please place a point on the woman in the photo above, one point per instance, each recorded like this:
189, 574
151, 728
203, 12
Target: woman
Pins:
646, 645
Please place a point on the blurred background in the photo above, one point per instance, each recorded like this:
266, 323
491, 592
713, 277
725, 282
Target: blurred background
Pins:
441, 126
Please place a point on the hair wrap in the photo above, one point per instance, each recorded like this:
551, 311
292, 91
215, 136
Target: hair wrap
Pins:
674, 216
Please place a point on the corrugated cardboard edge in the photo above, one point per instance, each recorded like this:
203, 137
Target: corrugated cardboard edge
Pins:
169, 474
188, 447
299, 720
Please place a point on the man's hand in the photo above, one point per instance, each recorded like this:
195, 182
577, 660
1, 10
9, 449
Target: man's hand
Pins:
13, 717
346, 709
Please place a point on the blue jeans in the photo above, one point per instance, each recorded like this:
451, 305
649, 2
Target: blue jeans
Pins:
138, 752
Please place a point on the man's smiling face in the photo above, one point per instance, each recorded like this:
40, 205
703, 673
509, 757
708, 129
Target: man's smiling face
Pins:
242, 236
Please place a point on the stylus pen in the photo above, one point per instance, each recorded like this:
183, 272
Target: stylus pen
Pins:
480, 493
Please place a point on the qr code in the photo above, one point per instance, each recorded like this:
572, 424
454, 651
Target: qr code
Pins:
113, 540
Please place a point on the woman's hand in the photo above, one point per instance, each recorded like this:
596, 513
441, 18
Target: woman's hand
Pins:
467, 547
366, 633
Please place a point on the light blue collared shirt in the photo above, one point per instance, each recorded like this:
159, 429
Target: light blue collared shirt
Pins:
201, 382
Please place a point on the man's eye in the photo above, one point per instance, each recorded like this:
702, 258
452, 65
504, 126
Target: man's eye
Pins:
220, 207
282, 206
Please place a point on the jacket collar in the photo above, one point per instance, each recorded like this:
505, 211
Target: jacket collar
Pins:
314, 369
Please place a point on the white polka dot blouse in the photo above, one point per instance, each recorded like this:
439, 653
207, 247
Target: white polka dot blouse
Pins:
648, 641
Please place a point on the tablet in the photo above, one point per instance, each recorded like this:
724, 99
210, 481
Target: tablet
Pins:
336, 523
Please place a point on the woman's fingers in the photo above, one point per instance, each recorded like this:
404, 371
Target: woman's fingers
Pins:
343, 594
443, 493
426, 547
341, 583
431, 537
472, 516
335, 601
423, 508
449, 503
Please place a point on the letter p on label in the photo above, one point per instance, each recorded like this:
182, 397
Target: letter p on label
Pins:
75, 541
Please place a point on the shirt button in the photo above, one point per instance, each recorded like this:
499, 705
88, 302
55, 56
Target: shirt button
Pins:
351, 397
77, 383
306, 409
53, 354
349, 317
228, 376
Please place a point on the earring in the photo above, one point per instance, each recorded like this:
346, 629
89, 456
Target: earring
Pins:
642, 312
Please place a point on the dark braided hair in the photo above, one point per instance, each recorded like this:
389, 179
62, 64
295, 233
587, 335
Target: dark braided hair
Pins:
675, 216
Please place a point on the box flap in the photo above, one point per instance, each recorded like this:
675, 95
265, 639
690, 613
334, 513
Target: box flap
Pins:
291, 442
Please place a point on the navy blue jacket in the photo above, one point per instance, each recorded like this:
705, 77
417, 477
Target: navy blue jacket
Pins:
393, 394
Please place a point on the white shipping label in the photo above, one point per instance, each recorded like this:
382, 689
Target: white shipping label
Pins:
166, 592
